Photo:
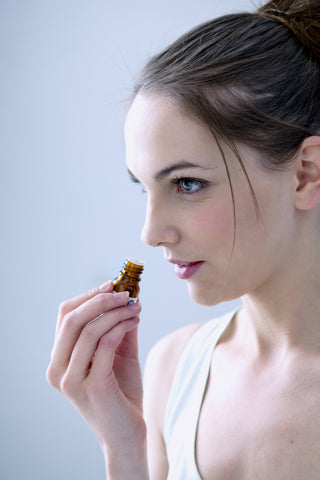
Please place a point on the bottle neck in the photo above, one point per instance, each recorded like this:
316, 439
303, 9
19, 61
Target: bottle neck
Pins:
132, 270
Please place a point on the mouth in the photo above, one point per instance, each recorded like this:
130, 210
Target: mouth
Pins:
185, 270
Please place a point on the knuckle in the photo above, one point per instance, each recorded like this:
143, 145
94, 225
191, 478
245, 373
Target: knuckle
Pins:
107, 341
93, 292
89, 332
105, 301
69, 321
100, 299
67, 385
110, 340
64, 308
52, 377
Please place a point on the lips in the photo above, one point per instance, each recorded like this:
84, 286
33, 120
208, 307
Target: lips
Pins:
185, 270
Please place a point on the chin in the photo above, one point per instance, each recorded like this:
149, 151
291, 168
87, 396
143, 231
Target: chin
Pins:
210, 296
203, 296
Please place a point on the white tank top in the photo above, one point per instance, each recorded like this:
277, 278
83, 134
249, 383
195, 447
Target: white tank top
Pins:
186, 396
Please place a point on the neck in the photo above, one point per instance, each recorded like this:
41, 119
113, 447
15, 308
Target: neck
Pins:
285, 313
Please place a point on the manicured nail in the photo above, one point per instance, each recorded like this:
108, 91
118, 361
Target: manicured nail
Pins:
121, 297
105, 286
135, 305
132, 301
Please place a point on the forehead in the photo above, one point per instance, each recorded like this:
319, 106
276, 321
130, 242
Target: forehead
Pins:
156, 128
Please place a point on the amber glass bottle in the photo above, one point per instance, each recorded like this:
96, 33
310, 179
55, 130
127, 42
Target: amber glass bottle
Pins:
129, 278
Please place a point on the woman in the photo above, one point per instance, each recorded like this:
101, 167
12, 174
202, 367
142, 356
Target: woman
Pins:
223, 134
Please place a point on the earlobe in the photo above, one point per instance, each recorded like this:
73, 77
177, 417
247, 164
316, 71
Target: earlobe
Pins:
307, 177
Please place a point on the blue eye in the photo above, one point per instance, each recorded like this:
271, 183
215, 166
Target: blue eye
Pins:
188, 185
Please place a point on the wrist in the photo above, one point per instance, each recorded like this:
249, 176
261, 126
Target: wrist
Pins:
128, 463
127, 460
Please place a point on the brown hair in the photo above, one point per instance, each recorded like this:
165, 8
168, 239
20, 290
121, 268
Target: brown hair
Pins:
252, 78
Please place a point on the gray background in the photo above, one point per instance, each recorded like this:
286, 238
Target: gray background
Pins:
69, 216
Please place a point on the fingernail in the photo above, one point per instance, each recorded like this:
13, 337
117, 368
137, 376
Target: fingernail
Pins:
133, 305
132, 301
121, 297
105, 286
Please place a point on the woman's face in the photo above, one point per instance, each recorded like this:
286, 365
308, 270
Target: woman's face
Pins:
189, 203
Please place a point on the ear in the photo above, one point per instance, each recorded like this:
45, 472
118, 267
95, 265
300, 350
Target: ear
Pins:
307, 176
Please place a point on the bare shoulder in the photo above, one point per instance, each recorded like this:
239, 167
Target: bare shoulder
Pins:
167, 351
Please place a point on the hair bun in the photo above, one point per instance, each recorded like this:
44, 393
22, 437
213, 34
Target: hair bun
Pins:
302, 17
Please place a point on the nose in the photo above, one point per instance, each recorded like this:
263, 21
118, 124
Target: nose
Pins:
159, 228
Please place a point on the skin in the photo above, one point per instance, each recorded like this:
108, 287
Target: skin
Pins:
262, 418
256, 421
94, 364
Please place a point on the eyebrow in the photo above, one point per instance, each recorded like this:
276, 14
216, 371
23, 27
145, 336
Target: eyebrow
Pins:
166, 171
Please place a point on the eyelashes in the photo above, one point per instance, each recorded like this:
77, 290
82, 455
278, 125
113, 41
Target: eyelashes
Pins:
184, 185
189, 185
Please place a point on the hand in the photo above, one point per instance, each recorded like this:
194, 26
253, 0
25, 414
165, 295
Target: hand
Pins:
95, 365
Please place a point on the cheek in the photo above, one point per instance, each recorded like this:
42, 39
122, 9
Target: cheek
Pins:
213, 224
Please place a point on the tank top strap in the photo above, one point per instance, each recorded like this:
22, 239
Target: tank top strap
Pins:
186, 396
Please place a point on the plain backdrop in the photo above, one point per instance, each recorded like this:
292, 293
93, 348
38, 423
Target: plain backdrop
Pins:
69, 216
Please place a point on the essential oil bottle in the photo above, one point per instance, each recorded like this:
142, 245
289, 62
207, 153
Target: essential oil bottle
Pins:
129, 278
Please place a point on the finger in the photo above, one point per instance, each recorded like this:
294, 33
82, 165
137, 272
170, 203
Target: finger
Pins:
74, 321
126, 365
72, 325
90, 337
129, 345
83, 341
69, 305
102, 364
